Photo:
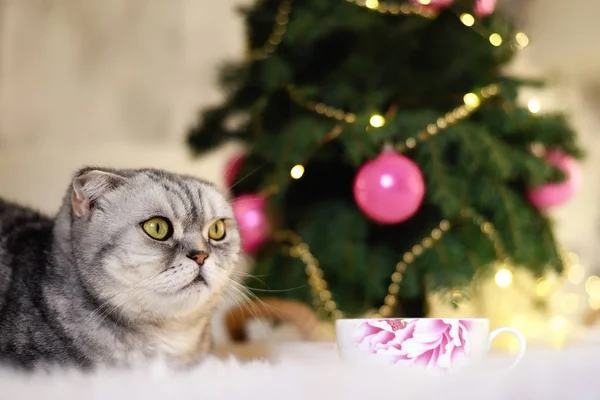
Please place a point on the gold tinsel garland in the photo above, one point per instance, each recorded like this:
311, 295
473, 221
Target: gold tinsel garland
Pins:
323, 298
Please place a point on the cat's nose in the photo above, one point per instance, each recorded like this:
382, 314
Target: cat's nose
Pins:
198, 256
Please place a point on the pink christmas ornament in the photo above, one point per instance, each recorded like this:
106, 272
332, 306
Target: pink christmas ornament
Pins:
249, 211
437, 4
483, 8
232, 169
389, 189
555, 194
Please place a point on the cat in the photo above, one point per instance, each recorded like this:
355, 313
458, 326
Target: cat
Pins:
128, 271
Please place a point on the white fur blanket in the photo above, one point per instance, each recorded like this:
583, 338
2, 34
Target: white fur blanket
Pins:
312, 371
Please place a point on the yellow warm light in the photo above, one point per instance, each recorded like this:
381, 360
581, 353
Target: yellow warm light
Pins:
425, 2
573, 257
594, 289
503, 278
297, 171
594, 303
495, 39
377, 121
519, 322
467, 19
570, 303
543, 288
559, 323
576, 274
522, 39
372, 4
534, 105
471, 100
591, 283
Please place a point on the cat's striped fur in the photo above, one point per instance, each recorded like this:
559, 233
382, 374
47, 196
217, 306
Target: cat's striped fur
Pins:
90, 288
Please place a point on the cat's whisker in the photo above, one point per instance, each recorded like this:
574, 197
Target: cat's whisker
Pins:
248, 275
249, 300
245, 304
247, 176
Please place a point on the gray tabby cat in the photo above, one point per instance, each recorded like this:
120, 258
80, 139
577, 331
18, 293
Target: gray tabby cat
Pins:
129, 270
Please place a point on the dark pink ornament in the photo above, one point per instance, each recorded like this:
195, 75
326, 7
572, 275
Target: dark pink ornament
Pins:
232, 169
249, 211
483, 8
389, 189
556, 194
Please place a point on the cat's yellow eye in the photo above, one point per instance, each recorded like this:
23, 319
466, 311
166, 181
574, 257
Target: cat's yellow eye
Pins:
217, 230
157, 228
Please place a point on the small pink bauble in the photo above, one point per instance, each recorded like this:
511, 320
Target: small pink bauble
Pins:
555, 194
232, 169
483, 8
389, 189
249, 211
437, 4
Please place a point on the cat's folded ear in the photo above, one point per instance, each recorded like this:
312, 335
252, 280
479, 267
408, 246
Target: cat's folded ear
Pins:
89, 184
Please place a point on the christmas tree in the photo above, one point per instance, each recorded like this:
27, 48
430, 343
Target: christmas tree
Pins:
387, 155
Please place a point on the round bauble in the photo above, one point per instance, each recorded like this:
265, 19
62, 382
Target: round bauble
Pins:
389, 189
483, 8
249, 211
556, 194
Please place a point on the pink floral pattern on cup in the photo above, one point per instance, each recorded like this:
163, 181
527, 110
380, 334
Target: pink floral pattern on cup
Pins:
429, 343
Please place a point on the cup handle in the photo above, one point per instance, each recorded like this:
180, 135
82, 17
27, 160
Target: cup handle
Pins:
520, 338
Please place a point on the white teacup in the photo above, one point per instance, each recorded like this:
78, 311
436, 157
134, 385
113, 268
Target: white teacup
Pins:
431, 343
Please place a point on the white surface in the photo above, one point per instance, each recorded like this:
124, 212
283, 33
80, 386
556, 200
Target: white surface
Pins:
304, 371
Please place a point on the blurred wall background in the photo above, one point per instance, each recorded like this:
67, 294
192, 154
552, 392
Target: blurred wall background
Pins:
117, 83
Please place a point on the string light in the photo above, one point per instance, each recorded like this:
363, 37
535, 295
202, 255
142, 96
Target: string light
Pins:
395, 8
421, 8
543, 288
495, 39
372, 4
283, 17
471, 100
576, 274
593, 288
590, 281
534, 106
522, 39
297, 171
281, 21
467, 19
323, 298
569, 303
594, 303
377, 121
503, 278
559, 323
450, 118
